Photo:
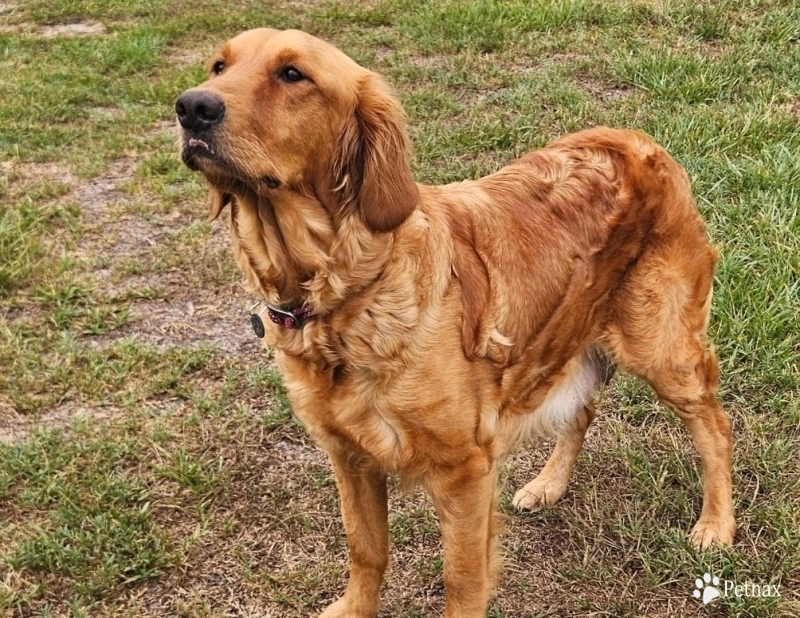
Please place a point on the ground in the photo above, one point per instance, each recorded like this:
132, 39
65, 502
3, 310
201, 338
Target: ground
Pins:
149, 461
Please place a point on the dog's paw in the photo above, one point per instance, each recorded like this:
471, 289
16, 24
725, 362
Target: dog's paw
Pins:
337, 609
708, 532
538, 493
343, 609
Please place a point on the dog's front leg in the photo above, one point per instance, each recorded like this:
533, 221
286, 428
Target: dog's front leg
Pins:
465, 500
362, 492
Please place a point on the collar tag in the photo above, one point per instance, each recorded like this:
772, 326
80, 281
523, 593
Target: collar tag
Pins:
258, 325
256, 322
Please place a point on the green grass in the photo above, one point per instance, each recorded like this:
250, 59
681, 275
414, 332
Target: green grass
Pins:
149, 462
95, 528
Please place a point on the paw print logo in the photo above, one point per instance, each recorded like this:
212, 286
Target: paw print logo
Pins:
706, 588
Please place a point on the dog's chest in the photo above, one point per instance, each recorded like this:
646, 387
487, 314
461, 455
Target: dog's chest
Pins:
400, 401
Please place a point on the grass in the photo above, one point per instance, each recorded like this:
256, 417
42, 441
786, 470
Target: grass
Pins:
95, 538
149, 462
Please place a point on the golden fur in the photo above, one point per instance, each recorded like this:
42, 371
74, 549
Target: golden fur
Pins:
452, 321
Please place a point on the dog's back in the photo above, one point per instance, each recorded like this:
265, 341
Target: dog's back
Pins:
560, 232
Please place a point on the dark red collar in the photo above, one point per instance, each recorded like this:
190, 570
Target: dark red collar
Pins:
290, 318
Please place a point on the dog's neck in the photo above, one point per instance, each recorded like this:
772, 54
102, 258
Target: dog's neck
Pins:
294, 250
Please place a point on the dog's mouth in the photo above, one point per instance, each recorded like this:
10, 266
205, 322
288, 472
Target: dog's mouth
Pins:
200, 145
195, 151
205, 156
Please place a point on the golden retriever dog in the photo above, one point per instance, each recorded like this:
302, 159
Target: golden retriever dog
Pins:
422, 331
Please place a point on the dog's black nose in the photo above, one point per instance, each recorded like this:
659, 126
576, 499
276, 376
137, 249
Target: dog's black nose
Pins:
199, 109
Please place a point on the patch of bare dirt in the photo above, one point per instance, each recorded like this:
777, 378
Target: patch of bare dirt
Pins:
711, 49
112, 228
433, 61
190, 318
183, 314
164, 127
167, 307
612, 93
105, 112
97, 196
605, 92
186, 57
792, 108
292, 451
72, 30
54, 172
382, 52
529, 64
9, 420
129, 234
12, 28
14, 426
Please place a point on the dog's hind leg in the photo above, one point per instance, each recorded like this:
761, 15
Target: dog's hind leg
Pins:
659, 334
551, 483
690, 390
566, 413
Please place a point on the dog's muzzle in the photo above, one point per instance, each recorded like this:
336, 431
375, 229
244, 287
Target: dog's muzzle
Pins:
199, 110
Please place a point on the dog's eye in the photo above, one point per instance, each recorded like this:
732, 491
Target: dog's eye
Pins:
219, 67
290, 74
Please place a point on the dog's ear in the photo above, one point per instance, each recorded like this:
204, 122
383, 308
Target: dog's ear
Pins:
218, 201
371, 170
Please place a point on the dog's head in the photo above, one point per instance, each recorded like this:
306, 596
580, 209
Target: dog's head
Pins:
285, 111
